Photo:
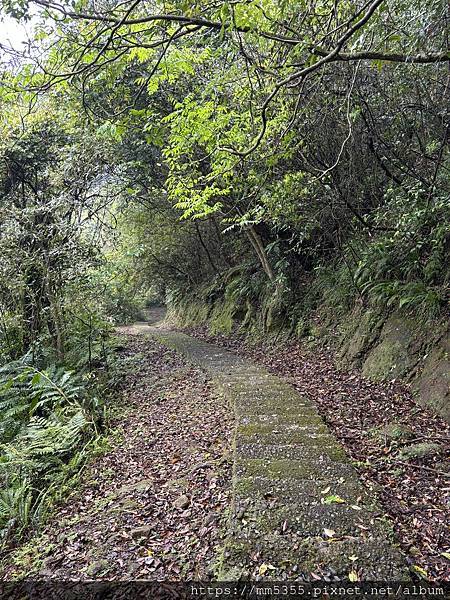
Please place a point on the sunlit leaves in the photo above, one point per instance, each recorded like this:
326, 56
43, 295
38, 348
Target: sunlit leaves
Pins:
110, 130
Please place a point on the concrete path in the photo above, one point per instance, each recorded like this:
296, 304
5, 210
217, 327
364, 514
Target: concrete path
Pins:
299, 510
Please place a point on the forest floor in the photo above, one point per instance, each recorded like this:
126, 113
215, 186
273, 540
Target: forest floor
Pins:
299, 511
400, 449
151, 507
157, 505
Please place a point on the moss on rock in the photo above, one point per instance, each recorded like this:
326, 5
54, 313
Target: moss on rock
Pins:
360, 332
419, 450
393, 432
433, 385
393, 356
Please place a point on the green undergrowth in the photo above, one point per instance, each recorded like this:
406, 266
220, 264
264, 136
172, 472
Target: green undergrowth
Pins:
328, 305
232, 304
53, 421
400, 267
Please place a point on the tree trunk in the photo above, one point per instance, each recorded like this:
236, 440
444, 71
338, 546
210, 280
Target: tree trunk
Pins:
31, 309
258, 246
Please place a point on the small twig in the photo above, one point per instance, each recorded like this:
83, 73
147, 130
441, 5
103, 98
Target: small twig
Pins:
200, 466
420, 438
400, 462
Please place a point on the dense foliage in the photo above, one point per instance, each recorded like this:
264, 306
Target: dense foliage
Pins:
262, 157
47, 422
53, 351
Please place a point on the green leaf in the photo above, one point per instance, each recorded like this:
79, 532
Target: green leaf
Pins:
420, 572
36, 379
333, 499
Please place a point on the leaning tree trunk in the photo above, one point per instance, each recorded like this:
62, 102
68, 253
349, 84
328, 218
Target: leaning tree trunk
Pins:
258, 246
267, 311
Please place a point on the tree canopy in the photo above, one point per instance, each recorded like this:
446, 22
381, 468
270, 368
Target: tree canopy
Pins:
291, 125
254, 162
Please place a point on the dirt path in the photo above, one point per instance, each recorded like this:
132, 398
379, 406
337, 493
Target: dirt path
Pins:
153, 506
160, 504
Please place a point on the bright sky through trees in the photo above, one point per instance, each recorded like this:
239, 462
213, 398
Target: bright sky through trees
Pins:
13, 34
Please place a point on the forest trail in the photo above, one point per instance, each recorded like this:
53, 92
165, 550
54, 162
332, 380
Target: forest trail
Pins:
151, 504
217, 469
298, 507
277, 174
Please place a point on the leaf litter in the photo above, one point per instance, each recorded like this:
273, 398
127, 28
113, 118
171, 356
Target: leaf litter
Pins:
153, 506
414, 492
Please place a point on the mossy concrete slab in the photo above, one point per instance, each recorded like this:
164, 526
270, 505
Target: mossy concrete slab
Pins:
303, 490
276, 420
301, 437
377, 558
266, 427
304, 452
298, 504
292, 469
297, 559
264, 407
309, 518
281, 399
242, 391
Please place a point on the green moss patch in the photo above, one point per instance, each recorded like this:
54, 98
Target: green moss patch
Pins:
419, 450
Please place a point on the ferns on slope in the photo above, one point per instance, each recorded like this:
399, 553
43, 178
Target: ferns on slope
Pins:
47, 417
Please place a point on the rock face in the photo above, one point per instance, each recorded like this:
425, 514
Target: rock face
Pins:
360, 334
398, 347
433, 384
393, 356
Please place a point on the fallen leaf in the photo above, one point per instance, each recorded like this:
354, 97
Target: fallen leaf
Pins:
353, 576
419, 571
334, 499
329, 532
264, 568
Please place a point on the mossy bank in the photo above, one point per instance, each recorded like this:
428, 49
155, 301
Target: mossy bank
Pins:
383, 345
